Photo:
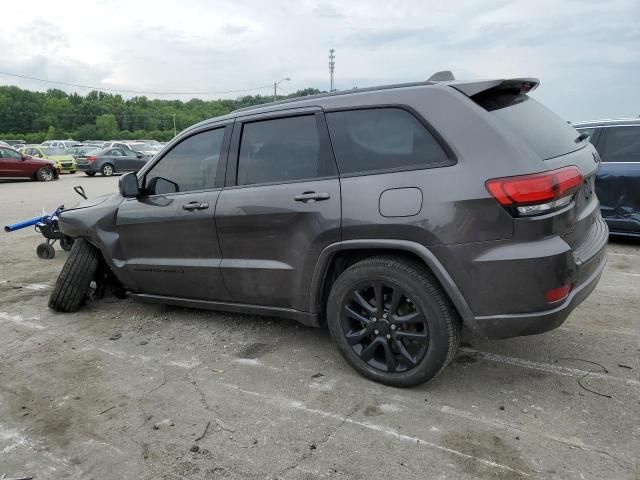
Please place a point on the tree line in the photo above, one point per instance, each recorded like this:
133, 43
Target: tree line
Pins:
54, 114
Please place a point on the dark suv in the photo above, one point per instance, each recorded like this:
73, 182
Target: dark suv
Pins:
393, 215
618, 181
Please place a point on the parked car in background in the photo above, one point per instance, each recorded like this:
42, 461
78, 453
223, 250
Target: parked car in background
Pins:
14, 164
109, 161
115, 143
18, 146
4, 144
60, 143
13, 143
81, 150
392, 215
64, 162
142, 147
95, 143
618, 181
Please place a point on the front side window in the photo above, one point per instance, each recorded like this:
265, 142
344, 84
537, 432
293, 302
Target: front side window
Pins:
282, 150
190, 165
380, 139
622, 145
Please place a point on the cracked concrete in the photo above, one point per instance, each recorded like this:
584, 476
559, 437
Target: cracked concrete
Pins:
75, 404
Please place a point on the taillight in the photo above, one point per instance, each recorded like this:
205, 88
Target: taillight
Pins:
536, 193
556, 294
90, 159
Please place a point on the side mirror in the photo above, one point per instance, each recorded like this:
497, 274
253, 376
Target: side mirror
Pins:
162, 186
128, 185
139, 155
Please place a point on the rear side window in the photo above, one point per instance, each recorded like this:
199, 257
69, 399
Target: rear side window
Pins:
622, 145
375, 139
282, 150
538, 127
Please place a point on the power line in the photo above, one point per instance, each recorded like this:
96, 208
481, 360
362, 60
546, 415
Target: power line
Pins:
131, 91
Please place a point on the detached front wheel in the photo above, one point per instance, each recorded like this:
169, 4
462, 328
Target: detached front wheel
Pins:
74, 282
392, 322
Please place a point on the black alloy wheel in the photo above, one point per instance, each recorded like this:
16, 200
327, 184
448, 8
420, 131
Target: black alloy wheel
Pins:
384, 327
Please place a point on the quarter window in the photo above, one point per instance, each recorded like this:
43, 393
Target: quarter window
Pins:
382, 138
282, 150
192, 164
622, 145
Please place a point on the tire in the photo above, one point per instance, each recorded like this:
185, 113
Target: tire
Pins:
45, 174
66, 243
107, 170
89, 174
45, 251
414, 341
76, 276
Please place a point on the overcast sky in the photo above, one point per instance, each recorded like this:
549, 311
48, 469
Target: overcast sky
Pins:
586, 52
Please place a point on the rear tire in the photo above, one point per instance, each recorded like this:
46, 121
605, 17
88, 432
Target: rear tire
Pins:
76, 276
411, 342
107, 170
45, 174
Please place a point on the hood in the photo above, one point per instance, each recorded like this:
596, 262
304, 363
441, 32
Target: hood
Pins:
92, 202
44, 161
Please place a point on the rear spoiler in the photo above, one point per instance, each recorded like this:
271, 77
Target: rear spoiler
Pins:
511, 85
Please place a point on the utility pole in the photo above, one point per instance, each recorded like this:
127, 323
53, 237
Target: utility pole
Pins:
174, 125
275, 87
332, 67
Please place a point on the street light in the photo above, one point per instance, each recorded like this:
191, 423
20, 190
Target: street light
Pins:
275, 87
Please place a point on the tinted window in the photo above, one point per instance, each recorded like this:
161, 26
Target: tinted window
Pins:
192, 164
282, 150
538, 127
380, 139
622, 145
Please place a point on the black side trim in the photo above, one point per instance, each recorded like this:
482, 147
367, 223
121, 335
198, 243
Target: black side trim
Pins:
309, 319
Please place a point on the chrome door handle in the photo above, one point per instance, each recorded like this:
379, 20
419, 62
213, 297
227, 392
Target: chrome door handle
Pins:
307, 197
195, 206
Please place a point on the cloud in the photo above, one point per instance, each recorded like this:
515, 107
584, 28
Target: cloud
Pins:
585, 52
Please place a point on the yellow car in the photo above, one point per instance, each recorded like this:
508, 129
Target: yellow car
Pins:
64, 162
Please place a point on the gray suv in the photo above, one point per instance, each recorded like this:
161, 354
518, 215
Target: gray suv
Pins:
392, 215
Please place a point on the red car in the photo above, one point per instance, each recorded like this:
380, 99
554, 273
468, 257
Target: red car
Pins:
15, 165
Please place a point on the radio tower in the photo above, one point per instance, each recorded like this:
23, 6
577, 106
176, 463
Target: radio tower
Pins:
332, 67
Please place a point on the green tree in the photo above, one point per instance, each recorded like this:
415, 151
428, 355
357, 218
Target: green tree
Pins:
106, 126
51, 133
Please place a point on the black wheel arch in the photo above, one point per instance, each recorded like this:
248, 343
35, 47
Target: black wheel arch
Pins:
337, 257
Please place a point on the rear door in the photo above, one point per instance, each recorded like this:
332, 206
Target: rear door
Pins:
168, 234
618, 181
280, 207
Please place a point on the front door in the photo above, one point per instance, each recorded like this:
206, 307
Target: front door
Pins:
11, 164
280, 208
168, 234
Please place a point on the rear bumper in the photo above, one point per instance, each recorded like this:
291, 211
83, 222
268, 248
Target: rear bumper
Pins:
504, 283
515, 325
87, 168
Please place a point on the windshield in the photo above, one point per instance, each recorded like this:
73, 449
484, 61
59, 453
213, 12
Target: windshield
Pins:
53, 151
